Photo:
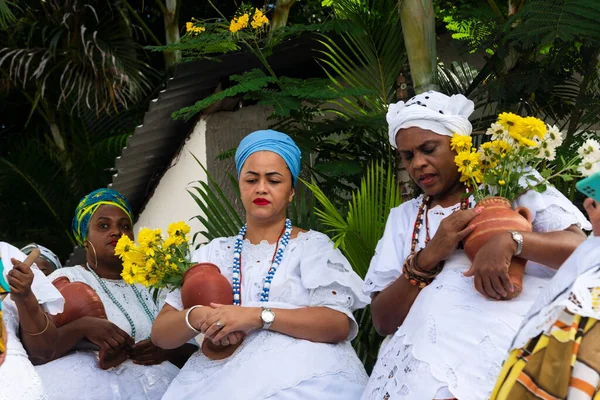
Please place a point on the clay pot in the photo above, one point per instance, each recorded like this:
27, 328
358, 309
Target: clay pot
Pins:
203, 284
80, 301
83, 301
498, 217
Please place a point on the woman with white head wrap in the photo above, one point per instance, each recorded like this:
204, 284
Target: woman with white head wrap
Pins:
449, 341
47, 262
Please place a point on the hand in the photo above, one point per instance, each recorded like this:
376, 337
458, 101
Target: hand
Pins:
233, 338
490, 267
452, 230
146, 353
105, 334
232, 319
593, 211
20, 279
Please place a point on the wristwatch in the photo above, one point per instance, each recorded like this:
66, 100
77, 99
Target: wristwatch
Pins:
518, 238
268, 316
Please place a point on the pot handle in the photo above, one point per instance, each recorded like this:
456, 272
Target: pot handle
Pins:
524, 212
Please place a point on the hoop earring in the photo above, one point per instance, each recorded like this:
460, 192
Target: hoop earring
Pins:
95, 255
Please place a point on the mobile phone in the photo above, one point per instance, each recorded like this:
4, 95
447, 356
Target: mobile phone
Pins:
590, 186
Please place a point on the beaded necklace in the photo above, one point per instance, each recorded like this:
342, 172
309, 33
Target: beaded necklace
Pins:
119, 305
422, 215
237, 263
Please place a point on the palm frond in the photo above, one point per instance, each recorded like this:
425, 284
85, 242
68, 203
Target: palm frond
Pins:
370, 55
541, 22
77, 55
218, 217
359, 231
457, 78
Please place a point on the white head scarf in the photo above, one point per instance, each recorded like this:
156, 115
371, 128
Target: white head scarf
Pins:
44, 253
444, 115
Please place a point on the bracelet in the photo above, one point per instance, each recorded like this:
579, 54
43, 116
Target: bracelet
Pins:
417, 276
428, 273
187, 319
45, 329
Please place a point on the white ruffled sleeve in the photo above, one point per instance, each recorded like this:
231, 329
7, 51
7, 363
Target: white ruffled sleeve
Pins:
551, 210
330, 280
46, 293
386, 264
174, 296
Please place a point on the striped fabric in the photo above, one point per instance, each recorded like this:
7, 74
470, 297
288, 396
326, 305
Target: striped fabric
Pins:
563, 362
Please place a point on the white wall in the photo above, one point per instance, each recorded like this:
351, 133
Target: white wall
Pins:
170, 201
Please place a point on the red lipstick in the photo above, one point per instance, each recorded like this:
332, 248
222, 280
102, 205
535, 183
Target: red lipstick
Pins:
261, 202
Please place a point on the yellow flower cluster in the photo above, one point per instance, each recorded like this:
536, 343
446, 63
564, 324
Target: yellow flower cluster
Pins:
239, 23
155, 262
469, 165
193, 29
259, 19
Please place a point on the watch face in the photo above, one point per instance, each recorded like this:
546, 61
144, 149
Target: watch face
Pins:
267, 316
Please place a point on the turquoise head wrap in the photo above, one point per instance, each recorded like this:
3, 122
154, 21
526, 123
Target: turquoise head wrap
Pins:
269, 140
89, 204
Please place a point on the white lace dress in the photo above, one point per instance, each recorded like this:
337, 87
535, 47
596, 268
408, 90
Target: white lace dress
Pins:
270, 365
76, 375
453, 341
18, 378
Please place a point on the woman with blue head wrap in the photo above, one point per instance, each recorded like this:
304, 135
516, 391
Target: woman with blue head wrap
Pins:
293, 296
143, 370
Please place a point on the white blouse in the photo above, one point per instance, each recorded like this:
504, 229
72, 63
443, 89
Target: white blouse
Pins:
453, 341
76, 375
269, 364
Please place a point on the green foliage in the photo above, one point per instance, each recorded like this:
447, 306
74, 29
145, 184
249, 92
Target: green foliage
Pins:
219, 217
45, 184
542, 22
369, 55
75, 55
358, 232
473, 22
357, 235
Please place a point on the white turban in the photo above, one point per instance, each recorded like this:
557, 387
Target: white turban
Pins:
45, 253
444, 115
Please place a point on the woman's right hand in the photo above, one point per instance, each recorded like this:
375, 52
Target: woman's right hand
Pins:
452, 230
104, 333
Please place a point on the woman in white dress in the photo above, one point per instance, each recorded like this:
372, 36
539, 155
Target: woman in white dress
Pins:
100, 219
294, 302
32, 295
451, 337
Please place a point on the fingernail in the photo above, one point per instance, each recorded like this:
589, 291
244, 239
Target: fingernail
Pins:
478, 210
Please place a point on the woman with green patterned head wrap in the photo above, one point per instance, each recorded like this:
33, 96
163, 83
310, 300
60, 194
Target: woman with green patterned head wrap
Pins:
143, 370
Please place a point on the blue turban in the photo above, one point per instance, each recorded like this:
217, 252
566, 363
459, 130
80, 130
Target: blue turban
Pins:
269, 140
89, 204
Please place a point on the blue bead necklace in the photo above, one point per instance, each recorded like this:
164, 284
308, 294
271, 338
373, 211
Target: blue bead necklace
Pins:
119, 305
237, 263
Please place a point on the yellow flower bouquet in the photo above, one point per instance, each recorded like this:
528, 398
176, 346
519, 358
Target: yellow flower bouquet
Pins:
156, 262
520, 157
519, 146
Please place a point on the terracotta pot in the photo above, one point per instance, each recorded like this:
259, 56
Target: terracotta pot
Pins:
203, 284
81, 300
499, 217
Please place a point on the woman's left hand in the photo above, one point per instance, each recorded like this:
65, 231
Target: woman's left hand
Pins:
230, 319
490, 267
146, 353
